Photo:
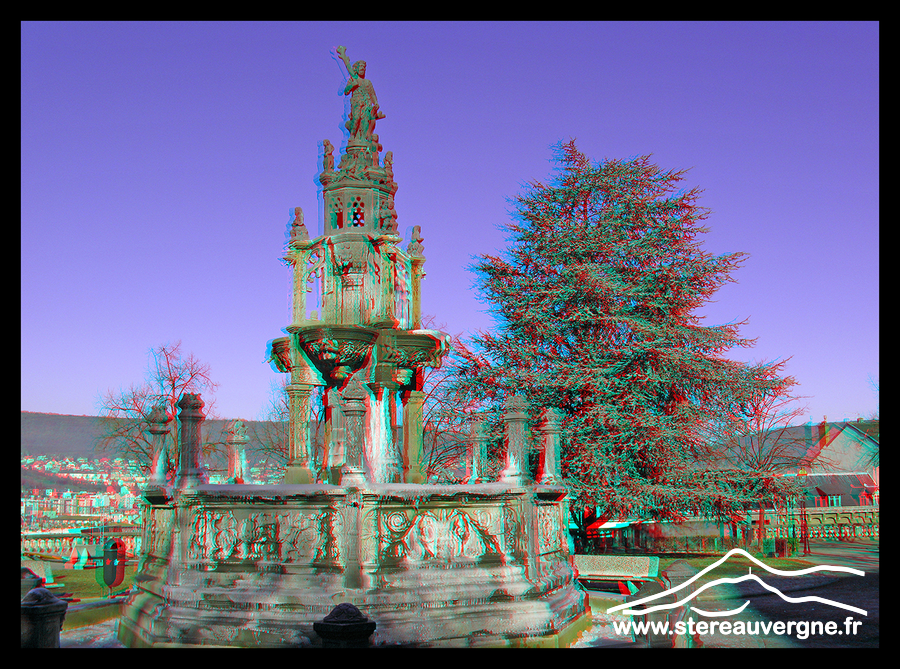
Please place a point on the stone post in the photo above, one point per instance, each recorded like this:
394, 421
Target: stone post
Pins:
42, 618
412, 437
352, 471
298, 469
190, 470
551, 426
159, 428
236, 442
515, 472
477, 452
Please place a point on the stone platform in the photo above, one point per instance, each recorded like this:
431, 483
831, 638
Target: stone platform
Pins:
454, 565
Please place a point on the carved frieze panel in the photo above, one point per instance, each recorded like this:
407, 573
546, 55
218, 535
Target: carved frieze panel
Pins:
161, 526
349, 256
314, 266
436, 534
549, 528
284, 536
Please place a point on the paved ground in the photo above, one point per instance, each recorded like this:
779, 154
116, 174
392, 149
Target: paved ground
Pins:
764, 607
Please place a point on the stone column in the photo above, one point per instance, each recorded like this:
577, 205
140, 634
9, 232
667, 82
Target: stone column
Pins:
515, 472
384, 460
551, 426
333, 457
298, 256
413, 446
298, 469
352, 471
298, 262
190, 470
159, 428
477, 452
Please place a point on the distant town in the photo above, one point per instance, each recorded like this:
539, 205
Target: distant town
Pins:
119, 484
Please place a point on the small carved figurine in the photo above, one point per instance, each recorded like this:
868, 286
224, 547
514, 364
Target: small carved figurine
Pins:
415, 247
328, 156
299, 233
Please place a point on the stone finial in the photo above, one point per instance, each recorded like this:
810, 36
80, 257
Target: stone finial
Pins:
158, 414
239, 430
191, 404
415, 248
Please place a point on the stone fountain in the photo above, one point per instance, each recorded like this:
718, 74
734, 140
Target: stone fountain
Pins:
487, 563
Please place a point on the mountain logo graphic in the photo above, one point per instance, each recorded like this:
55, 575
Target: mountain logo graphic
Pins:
628, 607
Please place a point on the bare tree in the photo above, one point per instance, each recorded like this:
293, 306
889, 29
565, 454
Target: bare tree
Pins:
872, 455
125, 413
271, 436
447, 414
759, 435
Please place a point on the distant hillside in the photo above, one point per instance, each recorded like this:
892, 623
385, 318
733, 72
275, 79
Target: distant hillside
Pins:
42, 480
57, 434
77, 436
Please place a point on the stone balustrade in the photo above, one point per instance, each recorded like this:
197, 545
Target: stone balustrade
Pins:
356, 472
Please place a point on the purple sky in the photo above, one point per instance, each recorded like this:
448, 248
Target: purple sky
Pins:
160, 162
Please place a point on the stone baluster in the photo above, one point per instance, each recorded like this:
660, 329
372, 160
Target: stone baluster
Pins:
516, 470
477, 452
413, 446
352, 471
550, 428
159, 428
190, 469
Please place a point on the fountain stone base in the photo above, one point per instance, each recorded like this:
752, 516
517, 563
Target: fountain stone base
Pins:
453, 565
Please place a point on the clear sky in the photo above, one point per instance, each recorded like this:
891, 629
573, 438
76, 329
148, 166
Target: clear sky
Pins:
160, 163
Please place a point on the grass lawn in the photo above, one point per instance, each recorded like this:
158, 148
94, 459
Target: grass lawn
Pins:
737, 565
87, 584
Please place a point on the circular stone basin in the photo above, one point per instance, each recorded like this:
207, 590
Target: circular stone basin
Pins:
337, 350
416, 349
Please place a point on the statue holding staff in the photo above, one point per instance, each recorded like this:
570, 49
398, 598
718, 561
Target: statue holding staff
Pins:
364, 109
